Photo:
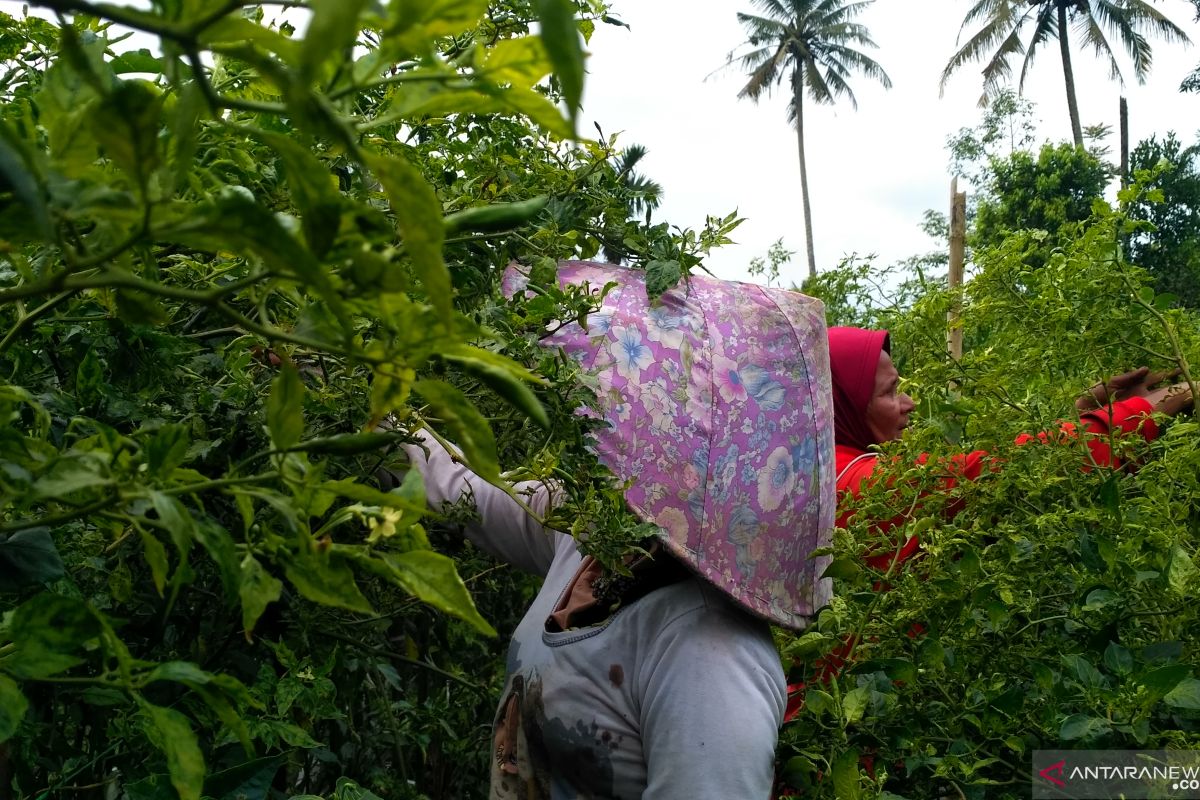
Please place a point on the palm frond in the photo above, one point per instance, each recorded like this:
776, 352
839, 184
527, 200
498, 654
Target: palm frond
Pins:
1003, 30
1045, 29
1093, 36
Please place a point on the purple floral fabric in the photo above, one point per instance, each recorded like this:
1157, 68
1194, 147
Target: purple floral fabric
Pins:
719, 403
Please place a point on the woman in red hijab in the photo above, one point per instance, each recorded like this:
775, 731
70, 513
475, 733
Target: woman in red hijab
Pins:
870, 409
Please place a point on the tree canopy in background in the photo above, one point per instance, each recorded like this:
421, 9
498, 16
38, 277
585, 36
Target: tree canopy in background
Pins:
813, 45
999, 41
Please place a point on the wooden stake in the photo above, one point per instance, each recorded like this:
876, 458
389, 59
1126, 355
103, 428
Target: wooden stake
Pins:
958, 246
1124, 143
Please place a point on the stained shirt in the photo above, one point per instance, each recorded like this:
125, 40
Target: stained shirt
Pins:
677, 696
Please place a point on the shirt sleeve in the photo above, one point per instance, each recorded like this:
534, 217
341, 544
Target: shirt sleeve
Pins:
504, 529
1122, 418
711, 708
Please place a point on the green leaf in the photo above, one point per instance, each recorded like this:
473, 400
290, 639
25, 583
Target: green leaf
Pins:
235, 28
1081, 726
28, 558
422, 21
1182, 571
854, 704
1162, 652
521, 61
845, 775
173, 735
1117, 659
467, 426
289, 733
442, 102
1087, 674
1162, 680
156, 558
126, 124
180, 672
842, 569
931, 654
136, 61
661, 276
326, 579
72, 474
176, 520
166, 449
347, 789
247, 781
1186, 694
314, 190
219, 545
898, 669
257, 590
89, 379
432, 578
560, 37
18, 179
402, 499
46, 631
332, 30
419, 217
819, 702
13, 706
285, 407
504, 377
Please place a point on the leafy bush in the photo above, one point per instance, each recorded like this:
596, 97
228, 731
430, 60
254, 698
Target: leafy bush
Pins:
223, 264
1054, 609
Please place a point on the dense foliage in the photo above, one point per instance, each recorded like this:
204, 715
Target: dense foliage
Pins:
229, 253
1054, 609
235, 245
1169, 247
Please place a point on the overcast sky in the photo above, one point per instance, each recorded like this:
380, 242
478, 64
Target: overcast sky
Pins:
873, 171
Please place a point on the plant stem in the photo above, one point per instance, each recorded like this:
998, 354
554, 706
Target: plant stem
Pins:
57, 519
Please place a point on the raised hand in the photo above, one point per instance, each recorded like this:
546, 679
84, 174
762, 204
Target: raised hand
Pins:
1135, 383
1171, 400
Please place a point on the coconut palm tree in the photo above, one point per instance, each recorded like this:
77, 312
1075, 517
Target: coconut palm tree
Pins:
1003, 21
812, 44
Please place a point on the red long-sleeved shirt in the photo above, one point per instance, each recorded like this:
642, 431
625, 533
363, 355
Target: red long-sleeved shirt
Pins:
855, 466
1125, 416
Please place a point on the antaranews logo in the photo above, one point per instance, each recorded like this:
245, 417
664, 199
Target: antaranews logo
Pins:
1088, 774
1054, 773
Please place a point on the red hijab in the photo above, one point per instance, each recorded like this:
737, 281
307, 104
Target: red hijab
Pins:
853, 359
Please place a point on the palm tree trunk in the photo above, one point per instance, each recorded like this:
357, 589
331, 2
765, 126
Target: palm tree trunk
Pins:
1068, 73
798, 100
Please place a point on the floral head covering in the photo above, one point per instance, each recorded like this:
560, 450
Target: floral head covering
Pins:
719, 406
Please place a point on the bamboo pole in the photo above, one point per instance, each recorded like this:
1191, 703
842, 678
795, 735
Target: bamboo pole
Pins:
958, 246
1124, 112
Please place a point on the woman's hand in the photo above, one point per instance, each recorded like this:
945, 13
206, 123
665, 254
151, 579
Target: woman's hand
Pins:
1171, 400
1135, 383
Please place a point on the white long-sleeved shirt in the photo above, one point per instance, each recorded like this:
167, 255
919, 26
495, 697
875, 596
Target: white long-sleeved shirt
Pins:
677, 696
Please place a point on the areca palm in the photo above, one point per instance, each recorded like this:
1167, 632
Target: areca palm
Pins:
1001, 43
811, 44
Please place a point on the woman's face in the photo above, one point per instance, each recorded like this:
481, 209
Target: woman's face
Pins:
887, 413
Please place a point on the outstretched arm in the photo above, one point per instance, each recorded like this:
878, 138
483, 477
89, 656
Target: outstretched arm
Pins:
504, 529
